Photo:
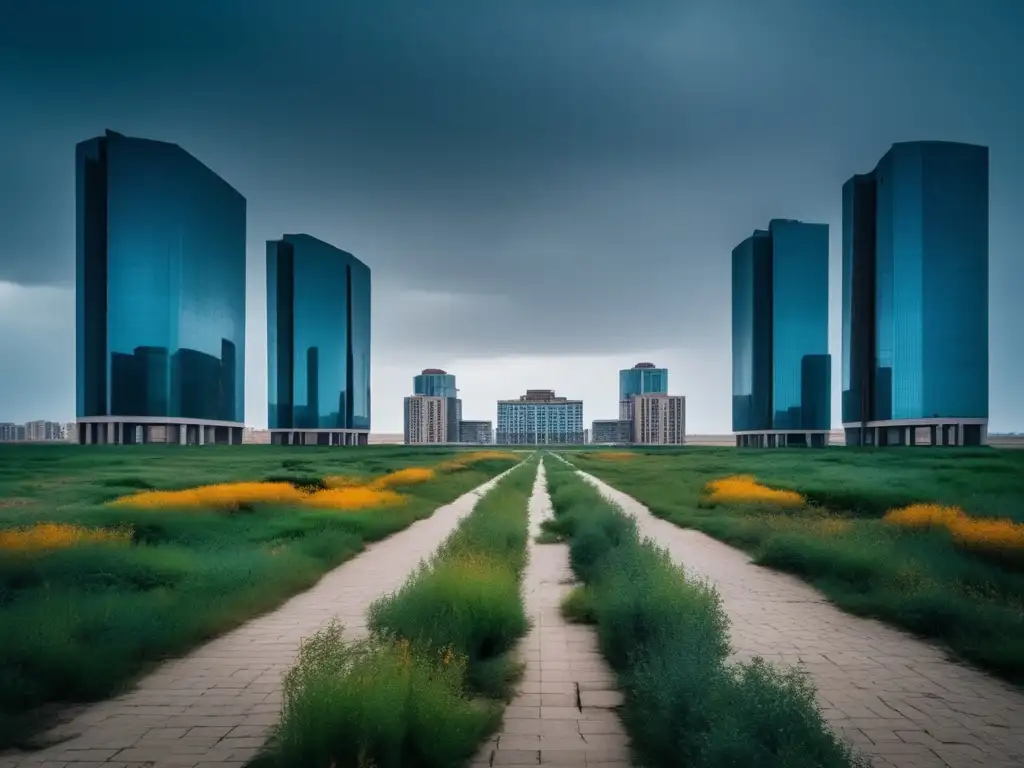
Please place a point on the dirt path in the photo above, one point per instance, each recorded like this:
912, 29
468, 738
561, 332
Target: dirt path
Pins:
900, 700
215, 707
563, 714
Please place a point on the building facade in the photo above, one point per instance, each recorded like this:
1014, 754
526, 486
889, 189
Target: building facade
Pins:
659, 419
160, 296
540, 418
780, 361
476, 432
641, 379
915, 297
44, 430
611, 431
438, 383
426, 419
318, 343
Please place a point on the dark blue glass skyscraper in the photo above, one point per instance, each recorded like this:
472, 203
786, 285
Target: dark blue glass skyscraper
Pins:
781, 365
915, 297
318, 343
160, 295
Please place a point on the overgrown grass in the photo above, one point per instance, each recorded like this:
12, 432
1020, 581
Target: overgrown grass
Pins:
666, 636
79, 622
921, 579
426, 688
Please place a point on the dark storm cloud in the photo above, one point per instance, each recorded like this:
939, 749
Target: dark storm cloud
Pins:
564, 157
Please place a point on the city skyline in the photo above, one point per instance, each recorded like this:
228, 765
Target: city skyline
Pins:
441, 180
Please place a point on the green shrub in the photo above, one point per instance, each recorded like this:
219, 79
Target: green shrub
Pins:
578, 606
377, 703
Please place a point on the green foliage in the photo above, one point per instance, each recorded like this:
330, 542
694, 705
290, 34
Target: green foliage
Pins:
467, 598
916, 580
667, 636
78, 624
578, 606
379, 703
424, 690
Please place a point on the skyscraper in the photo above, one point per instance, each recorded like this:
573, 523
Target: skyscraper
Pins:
437, 383
641, 379
781, 367
160, 258
426, 420
915, 297
318, 343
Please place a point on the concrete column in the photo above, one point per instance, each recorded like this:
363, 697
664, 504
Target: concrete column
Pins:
202, 434
88, 432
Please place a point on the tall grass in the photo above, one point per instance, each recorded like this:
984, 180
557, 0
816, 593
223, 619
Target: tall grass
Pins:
424, 689
79, 621
666, 636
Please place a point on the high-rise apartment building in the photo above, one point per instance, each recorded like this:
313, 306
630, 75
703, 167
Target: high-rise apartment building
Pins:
318, 343
426, 419
8, 432
915, 297
642, 378
476, 432
438, 383
540, 418
781, 366
160, 296
659, 419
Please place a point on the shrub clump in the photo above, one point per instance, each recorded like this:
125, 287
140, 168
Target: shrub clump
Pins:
377, 702
666, 635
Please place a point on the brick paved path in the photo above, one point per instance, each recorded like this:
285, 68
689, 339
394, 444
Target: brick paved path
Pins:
897, 698
563, 714
215, 707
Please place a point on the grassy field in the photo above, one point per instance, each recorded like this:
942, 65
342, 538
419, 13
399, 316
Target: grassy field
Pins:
960, 583
428, 684
92, 594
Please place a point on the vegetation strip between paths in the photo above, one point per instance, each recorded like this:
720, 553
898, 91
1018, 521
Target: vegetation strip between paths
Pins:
430, 682
666, 636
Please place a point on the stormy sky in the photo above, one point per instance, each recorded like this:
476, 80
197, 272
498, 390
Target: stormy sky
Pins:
546, 190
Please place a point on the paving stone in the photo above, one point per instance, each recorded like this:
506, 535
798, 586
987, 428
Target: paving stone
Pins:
872, 679
545, 723
216, 706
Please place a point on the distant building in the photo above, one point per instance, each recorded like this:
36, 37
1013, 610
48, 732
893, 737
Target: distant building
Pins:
438, 383
160, 303
318, 343
43, 430
659, 419
915, 297
642, 378
426, 419
612, 431
781, 366
540, 418
252, 436
8, 432
476, 432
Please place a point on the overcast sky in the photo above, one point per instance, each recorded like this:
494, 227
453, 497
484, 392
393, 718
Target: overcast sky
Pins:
545, 190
